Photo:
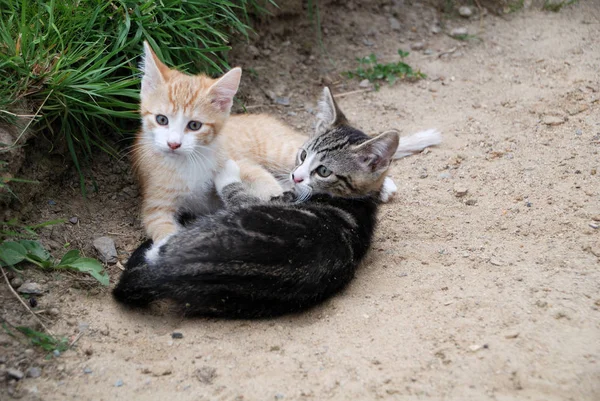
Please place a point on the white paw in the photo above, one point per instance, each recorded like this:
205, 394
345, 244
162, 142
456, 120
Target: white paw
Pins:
228, 175
152, 253
388, 190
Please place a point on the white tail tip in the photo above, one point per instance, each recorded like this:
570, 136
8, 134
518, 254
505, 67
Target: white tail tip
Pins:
417, 142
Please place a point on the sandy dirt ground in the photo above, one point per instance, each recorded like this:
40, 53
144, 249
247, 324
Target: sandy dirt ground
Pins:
484, 277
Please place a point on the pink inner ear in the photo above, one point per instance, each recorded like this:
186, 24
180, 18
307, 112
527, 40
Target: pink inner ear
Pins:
222, 101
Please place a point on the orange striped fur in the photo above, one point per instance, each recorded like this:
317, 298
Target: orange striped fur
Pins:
175, 164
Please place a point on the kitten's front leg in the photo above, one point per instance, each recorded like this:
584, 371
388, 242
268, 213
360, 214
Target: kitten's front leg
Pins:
159, 219
230, 188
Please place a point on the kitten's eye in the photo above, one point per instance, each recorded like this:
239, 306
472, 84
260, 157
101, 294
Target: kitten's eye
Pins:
194, 125
162, 120
323, 171
302, 155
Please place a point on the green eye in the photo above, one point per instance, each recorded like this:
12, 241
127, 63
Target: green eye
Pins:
323, 171
162, 120
194, 125
302, 155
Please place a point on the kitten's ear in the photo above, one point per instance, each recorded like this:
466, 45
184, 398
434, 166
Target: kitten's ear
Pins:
377, 153
329, 113
155, 71
223, 91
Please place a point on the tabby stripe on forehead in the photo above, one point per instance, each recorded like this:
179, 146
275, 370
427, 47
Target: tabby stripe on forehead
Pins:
334, 147
346, 181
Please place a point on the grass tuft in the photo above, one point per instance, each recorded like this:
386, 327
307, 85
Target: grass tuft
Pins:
75, 62
369, 68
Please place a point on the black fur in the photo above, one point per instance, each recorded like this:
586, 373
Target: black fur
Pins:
257, 260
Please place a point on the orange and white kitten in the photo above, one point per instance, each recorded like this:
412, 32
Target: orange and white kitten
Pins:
187, 135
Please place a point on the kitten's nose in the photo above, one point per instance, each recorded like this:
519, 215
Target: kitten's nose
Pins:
174, 145
296, 179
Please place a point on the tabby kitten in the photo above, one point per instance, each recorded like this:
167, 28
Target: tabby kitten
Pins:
187, 134
258, 259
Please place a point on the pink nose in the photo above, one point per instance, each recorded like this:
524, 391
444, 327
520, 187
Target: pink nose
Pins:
174, 145
297, 180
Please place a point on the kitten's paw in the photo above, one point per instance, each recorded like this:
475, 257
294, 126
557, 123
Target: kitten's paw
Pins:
230, 174
388, 190
153, 253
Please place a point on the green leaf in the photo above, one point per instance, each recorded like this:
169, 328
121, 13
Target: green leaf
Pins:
12, 253
36, 250
69, 257
86, 265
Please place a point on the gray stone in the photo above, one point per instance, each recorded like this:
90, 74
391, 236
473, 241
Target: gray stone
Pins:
459, 32
417, 46
30, 288
74, 220
364, 83
34, 372
283, 101
552, 120
395, 24
460, 191
465, 11
435, 29
15, 373
106, 249
16, 282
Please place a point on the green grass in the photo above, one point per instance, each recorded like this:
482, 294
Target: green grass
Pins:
73, 63
45, 341
556, 6
369, 68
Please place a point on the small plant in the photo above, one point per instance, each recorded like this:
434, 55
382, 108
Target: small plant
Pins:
15, 252
557, 5
45, 341
374, 71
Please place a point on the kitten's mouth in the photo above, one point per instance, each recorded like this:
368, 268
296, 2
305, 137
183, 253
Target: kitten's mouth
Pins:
303, 192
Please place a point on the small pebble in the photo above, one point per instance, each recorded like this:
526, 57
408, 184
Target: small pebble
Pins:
474, 348
417, 46
364, 83
73, 220
528, 204
459, 32
594, 226
445, 175
279, 396
435, 29
34, 372
56, 353
16, 282
51, 202
33, 302
15, 373
471, 202
30, 288
87, 371
53, 312
176, 335
395, 24
496, 262
119, 383
465, 11
106, 249
460, 191
283, 101
578, 132
552, 120
512, 334
206, 374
